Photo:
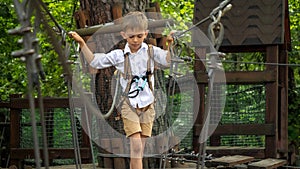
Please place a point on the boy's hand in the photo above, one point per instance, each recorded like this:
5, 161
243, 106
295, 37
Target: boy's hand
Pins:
76, 37
170, 38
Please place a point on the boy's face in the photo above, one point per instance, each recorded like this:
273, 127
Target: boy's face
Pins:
134, 38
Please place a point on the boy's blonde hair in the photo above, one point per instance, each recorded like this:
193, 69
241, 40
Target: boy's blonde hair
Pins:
135, 21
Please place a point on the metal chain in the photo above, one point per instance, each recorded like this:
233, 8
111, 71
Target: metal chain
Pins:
24, 12
216, 30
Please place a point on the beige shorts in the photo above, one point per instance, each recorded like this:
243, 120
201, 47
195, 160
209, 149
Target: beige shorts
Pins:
137, 120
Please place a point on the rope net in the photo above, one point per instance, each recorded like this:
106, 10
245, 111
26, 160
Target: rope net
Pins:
58, 130
245, 104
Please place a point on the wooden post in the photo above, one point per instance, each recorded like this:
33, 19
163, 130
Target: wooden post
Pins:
118, 146
272, 102
15, 126
199, 116
107, 162
86, 124
283, 105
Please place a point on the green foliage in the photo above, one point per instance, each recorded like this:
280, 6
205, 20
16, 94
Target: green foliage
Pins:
294, 90
180, 10
12, 78
294, 116
14, 74
241, 62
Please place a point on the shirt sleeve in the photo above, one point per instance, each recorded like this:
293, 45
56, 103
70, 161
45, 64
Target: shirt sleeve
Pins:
160, 56
102, 60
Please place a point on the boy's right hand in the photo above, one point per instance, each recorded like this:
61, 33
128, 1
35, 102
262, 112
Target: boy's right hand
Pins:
76, 37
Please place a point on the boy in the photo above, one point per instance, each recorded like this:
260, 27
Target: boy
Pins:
137, 110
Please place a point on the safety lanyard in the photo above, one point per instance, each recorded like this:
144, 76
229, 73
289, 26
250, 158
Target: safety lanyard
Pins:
138, 88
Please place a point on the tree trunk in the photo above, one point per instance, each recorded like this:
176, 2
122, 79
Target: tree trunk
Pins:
101, 11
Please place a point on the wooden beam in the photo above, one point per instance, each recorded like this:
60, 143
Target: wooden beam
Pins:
246, 77
23, 103
111, 28
54, 153
241, 129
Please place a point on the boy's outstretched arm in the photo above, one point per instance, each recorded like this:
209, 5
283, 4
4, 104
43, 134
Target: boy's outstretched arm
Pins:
88, 54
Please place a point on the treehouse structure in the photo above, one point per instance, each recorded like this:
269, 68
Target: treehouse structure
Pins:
256, 26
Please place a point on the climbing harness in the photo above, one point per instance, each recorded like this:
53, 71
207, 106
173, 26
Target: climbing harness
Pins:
132, 80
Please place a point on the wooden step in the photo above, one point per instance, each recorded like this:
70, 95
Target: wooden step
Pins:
267, 164
229, 161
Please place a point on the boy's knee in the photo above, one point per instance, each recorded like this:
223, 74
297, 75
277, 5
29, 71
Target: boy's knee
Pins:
137, 146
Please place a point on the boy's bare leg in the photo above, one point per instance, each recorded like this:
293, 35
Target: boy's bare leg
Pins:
137, 145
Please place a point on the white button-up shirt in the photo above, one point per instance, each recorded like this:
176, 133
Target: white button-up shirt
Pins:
138, 65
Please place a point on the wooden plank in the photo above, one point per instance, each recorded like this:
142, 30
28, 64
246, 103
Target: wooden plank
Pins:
229, 161
267, 164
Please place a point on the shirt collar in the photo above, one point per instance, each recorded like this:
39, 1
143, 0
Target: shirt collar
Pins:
143, 47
